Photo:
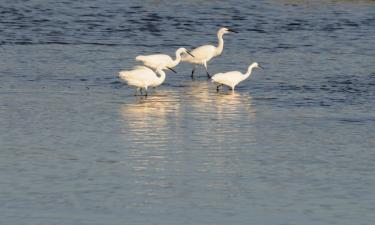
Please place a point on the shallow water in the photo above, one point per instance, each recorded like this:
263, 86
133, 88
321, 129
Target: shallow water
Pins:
293, 145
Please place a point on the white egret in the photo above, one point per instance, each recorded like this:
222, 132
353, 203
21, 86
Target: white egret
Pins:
232, 78
205, 53
161, 60
142, 77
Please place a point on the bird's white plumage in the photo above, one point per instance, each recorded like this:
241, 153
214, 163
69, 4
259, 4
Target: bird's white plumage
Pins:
233, 78
155, 61
142, 77
204, 53
201, 54
229, 78
161, 61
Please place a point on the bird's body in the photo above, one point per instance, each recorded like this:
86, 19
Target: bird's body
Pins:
154, 61
142, 77
161, 61
204, 53
232, 78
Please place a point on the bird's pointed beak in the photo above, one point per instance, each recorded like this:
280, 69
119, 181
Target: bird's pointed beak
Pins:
260, 67
233, 31
188, 52
171, 69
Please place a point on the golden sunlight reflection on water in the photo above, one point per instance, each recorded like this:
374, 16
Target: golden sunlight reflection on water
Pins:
223, 104
196, 113
148, 116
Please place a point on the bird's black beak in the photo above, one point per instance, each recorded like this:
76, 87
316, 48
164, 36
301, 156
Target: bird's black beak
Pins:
190, 53
171, 69
233, 31
260, 67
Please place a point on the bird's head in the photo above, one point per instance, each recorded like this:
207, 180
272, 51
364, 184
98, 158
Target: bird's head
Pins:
225, 30
256, 65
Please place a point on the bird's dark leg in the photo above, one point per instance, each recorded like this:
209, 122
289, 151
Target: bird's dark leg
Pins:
138, 90
218, 86
146, 92
205, 66
208, 75
141, 91
192, 73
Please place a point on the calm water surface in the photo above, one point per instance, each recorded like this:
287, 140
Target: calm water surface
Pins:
295, 144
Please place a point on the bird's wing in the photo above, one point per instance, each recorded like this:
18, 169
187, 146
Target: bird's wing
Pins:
155, 57
154, 60
137, 76
227, 78
216, 76
202, 53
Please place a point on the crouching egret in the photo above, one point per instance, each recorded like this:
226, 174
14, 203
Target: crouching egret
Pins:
232, 78
142, 77
161, 60
205, 53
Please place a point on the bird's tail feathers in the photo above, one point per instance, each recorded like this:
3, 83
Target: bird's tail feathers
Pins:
214, 77
139, 58
123, 74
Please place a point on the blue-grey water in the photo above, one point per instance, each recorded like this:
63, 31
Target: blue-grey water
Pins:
294, 144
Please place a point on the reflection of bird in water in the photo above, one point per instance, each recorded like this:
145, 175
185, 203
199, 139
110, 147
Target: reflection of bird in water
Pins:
148, 126
202, 99
234, 103
149, 115
198, 95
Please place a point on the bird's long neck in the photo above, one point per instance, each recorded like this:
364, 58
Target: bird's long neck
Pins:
248, 72
220, 45
177, 60
162, 76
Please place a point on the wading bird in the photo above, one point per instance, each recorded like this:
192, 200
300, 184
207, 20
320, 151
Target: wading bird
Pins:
142, 77
162, 61
204, 53
232, 78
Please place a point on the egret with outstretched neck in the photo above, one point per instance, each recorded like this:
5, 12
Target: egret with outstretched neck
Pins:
162, 61
231, 79
142, 77
204, 53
